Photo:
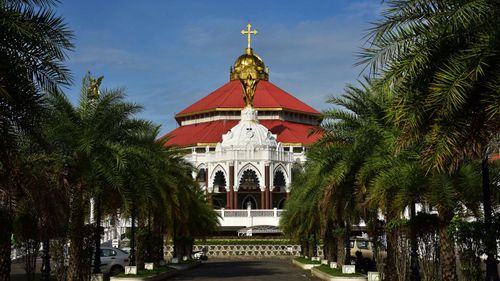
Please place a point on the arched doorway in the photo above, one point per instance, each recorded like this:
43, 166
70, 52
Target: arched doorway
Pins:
279, 190
249, 190
249, 201
219, 192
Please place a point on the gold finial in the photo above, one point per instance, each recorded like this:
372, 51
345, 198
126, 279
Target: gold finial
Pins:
249, 32
248, 63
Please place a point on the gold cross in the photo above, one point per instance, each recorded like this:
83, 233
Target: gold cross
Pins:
249, 32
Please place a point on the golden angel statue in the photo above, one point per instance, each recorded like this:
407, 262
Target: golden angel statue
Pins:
249, 87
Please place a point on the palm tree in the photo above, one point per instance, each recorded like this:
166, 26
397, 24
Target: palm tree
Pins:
333, 162
440, 60
148, 173
301, 220
92, 138
392, 182
353, 129
33, 42
192, 217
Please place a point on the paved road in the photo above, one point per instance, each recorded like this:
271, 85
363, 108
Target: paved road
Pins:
246, 270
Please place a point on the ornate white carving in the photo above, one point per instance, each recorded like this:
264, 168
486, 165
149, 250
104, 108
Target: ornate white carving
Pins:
248, 134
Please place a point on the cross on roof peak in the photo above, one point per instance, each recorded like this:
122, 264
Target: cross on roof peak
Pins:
249, 33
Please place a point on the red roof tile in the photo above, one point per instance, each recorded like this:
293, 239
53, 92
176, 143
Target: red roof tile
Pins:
211, 132
230, 95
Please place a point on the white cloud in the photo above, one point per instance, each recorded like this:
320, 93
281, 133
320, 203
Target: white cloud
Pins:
108, 57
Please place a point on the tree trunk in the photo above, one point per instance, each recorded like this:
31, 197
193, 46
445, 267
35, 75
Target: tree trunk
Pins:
132, 236
490, 241
97, 235
347, 243
310, 248
5, 244
414, 267
340, 250
390, 268
303, 247
329, 251
446, 248
180, 247
140, 243
174, 239
140, 252
189, 247
75, 270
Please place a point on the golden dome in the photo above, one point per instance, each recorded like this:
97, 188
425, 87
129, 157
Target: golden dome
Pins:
249, 64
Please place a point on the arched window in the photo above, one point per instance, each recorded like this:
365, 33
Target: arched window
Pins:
200, 177
279, 181
249, 181
220, 182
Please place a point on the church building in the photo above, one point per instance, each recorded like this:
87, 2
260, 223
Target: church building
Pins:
244, 139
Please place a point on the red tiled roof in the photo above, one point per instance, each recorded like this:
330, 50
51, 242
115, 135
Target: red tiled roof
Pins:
211, 132
230, 95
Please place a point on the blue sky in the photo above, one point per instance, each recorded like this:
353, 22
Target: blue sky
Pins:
168, 54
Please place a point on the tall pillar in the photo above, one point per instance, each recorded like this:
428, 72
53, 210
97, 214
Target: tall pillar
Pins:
270, 198
265, 198
231, 186
207, 191
228, 198
262, 199
266, 178
235, 199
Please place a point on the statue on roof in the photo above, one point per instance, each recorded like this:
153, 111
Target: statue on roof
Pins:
94, 84
249, 86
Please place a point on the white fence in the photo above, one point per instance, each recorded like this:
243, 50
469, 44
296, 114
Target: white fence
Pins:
249, 217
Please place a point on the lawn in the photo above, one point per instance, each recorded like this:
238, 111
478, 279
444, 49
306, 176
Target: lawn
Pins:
146, 273
335, 271
306, 261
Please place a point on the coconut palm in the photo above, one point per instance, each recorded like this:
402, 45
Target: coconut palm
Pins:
33, 42
440, 59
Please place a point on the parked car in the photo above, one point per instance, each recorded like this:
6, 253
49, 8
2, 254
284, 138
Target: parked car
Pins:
113, 260
364, 246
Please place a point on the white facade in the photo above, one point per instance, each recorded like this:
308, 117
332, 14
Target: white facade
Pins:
248, 174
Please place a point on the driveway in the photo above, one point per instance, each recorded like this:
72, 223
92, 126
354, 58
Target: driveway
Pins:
254, 269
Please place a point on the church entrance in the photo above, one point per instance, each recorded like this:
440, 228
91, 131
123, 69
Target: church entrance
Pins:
249, 191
